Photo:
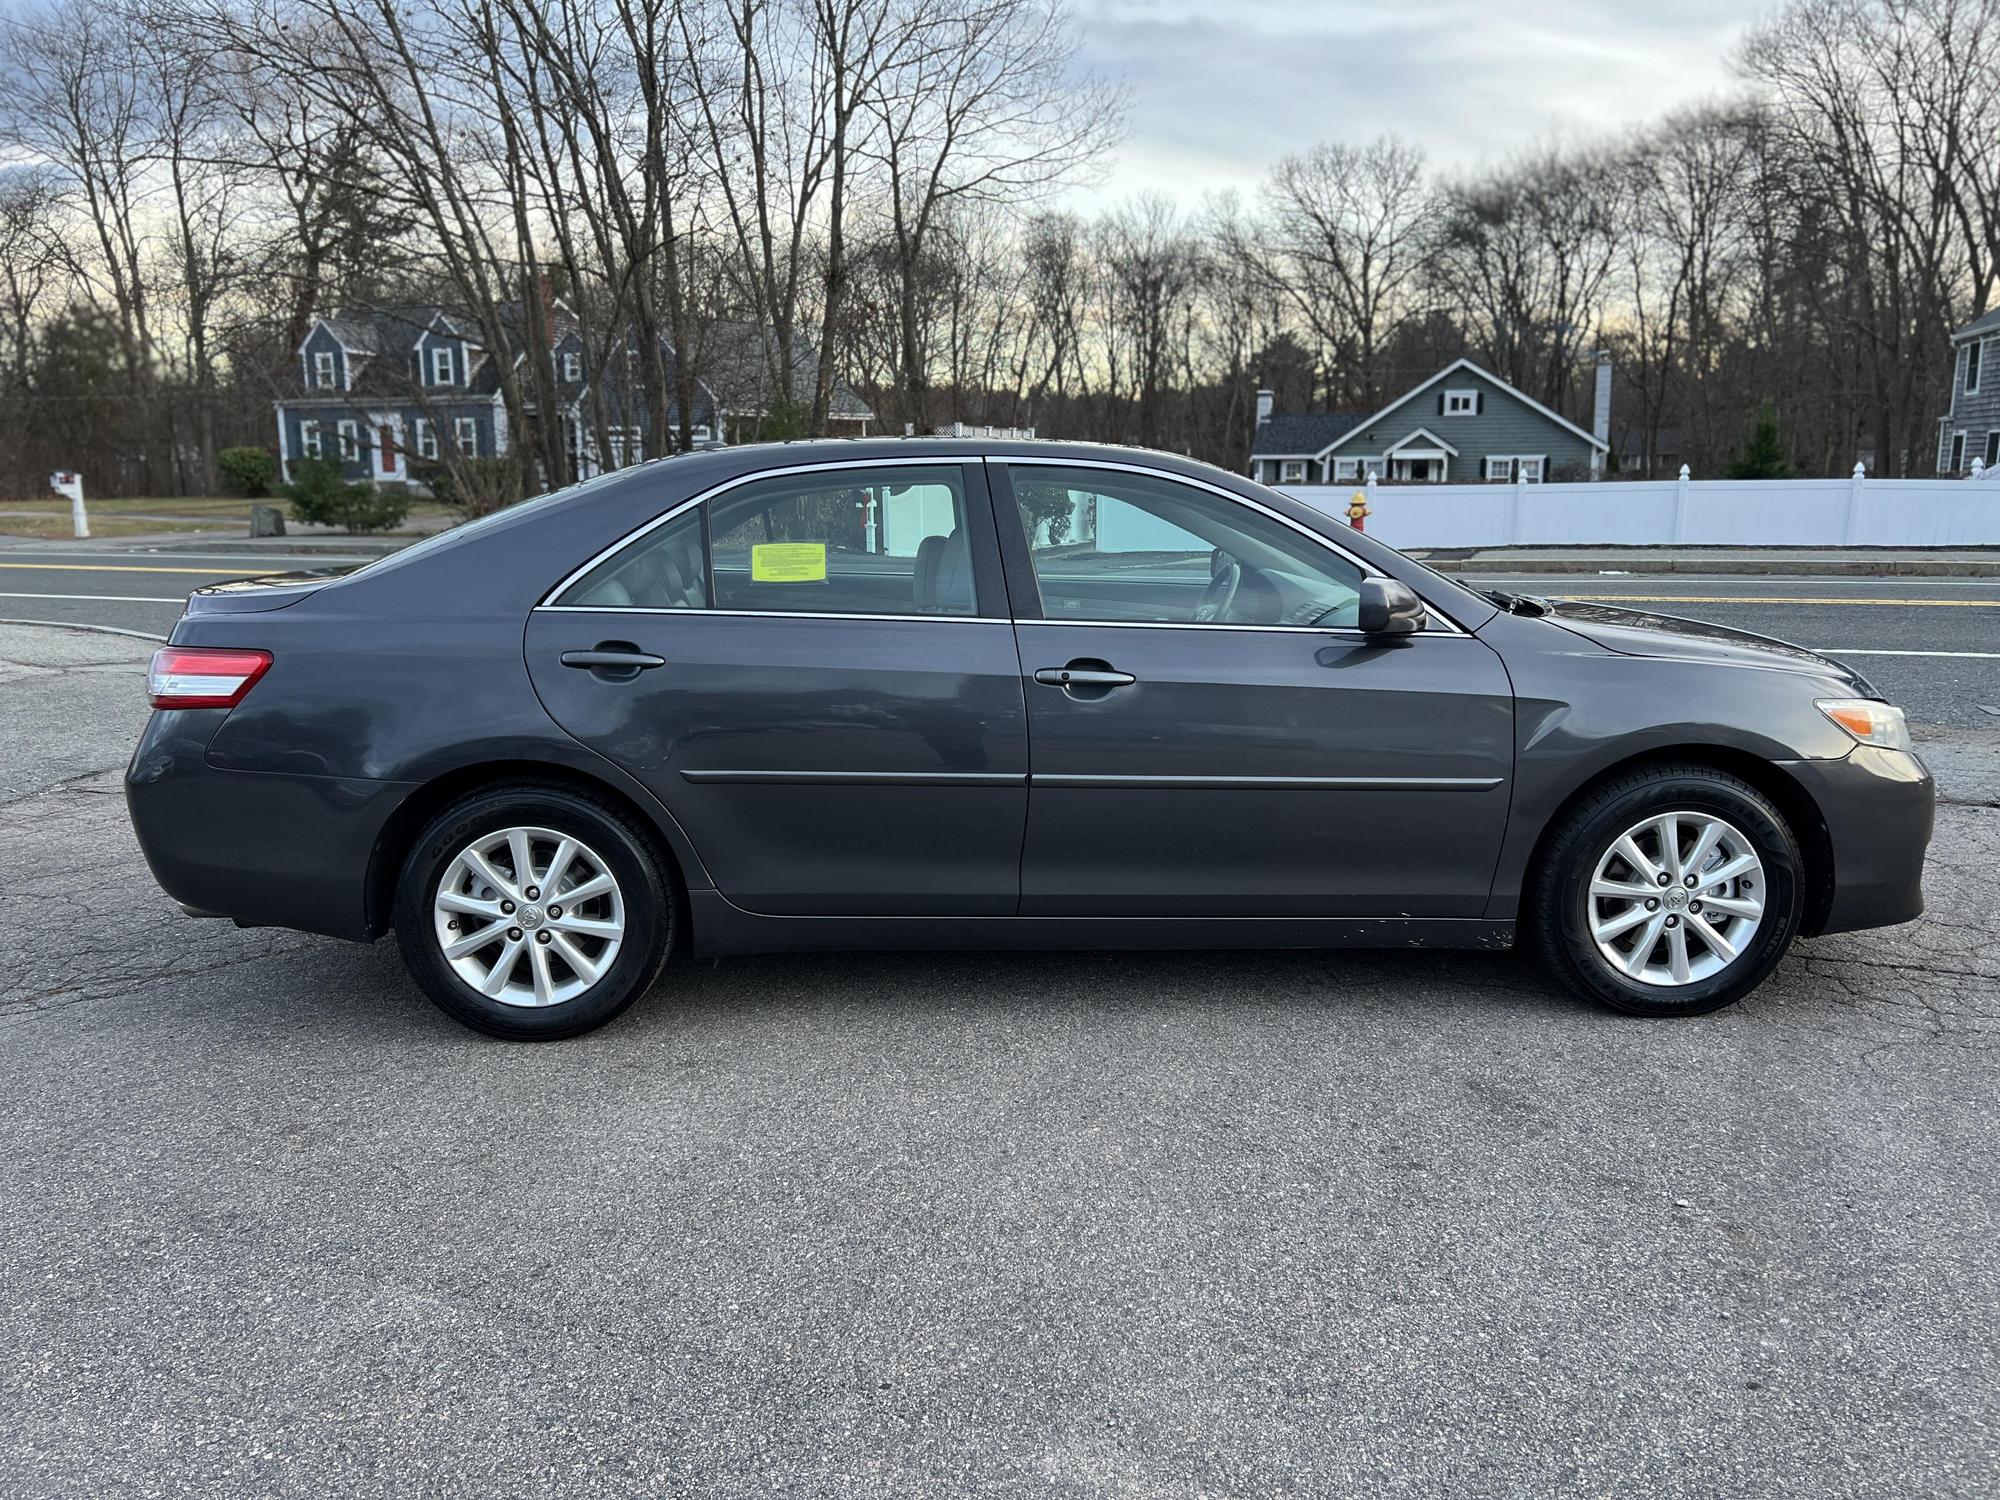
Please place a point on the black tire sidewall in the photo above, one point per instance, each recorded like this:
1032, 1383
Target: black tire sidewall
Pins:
1574, 950
650, 910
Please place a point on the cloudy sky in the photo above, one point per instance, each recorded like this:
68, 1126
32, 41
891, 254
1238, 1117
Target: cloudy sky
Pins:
1220, 88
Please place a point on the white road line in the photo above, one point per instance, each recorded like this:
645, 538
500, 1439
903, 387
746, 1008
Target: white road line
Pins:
105, 598
1558, 582
1871, 651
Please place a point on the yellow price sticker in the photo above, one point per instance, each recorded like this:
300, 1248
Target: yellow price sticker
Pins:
788, 562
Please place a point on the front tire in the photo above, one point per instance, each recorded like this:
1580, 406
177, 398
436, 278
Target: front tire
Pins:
534, 912
1670, 891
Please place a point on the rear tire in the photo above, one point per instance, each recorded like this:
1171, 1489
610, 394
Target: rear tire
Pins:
549, 968
1704, 937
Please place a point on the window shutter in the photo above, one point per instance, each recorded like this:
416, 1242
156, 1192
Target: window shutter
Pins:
1440, 403
1479, 403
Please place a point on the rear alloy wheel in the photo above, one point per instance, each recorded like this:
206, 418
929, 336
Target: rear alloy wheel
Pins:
534, 912
1672, 891
529, 916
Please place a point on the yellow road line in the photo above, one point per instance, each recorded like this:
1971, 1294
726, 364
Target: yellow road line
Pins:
120, 568
1777, 599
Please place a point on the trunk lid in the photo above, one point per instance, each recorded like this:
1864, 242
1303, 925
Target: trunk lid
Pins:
248, 596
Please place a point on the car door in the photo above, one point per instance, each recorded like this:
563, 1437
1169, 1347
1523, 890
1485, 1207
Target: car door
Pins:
814, 672
1209, 733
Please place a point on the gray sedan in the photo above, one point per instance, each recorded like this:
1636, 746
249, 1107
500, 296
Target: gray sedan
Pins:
998, 695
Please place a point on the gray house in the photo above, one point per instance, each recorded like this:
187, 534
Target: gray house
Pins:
1969, 437
1461, 426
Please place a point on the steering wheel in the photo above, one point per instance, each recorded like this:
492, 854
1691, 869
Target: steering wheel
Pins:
1220, 596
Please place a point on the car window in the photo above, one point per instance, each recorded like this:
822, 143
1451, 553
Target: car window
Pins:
664, 569
1114, 546
886, 540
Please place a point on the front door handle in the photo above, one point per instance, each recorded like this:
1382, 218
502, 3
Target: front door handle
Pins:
613, 661
1084, 675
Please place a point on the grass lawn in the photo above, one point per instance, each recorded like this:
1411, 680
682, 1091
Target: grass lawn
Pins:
59, 527
49, 515
224, 508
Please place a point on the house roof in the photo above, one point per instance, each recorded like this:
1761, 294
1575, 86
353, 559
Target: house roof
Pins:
1302, 434
736, 361
1469, 367
1987, 322
1427, 435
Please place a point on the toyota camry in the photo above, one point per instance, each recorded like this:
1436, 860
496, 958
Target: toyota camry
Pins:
953, 694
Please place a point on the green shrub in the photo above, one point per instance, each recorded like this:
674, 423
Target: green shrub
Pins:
248, 472
321, 497
784, 422
1764, 456
383, 508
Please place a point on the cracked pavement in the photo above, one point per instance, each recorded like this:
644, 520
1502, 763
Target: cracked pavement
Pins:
1051, 1225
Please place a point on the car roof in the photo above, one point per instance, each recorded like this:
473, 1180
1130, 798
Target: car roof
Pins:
749, 457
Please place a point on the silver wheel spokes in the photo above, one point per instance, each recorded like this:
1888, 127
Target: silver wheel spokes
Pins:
1675, 899
529, 916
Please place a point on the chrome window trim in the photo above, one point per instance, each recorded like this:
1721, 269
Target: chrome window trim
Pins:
758, 614
1341, 630
1066, 782
1368, 569
936, 461
630, 537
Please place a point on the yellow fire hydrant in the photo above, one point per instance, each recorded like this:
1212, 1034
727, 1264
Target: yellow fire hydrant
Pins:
1357, 510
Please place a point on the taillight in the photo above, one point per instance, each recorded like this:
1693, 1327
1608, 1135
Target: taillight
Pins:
195, 677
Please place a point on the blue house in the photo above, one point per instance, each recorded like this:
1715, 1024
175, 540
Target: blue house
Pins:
389, 391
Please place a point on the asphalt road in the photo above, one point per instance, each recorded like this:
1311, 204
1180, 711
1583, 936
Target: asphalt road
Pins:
1211, 1225
129, 590
1931, 644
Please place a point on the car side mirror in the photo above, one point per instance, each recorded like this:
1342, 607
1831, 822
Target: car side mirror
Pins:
1388, 606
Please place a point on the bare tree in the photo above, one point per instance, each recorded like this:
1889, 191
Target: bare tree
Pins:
982, 107
73, 100
1527, 255
1348, 238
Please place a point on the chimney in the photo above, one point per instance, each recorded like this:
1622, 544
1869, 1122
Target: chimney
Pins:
1264, 399
1600, 415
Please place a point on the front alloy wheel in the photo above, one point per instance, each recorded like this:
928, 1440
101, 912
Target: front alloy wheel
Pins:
1669, 891
1676, 898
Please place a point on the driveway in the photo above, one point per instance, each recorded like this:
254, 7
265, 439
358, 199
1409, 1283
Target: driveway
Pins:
1035, 1225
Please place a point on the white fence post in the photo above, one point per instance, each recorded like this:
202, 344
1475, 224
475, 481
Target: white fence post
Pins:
1520, 498
1854, 486
1681, 505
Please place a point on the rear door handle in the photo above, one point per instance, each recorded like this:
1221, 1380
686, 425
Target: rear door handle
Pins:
637, 660
1063, 677
613, 661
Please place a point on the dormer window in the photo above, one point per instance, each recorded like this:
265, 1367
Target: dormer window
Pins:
572, 365
1461, 404
441, 373
323, 369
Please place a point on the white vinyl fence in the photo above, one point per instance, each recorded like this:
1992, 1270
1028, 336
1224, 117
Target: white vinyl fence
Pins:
1852, 512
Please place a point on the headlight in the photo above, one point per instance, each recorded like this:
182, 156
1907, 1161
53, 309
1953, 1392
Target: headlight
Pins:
1870, 722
